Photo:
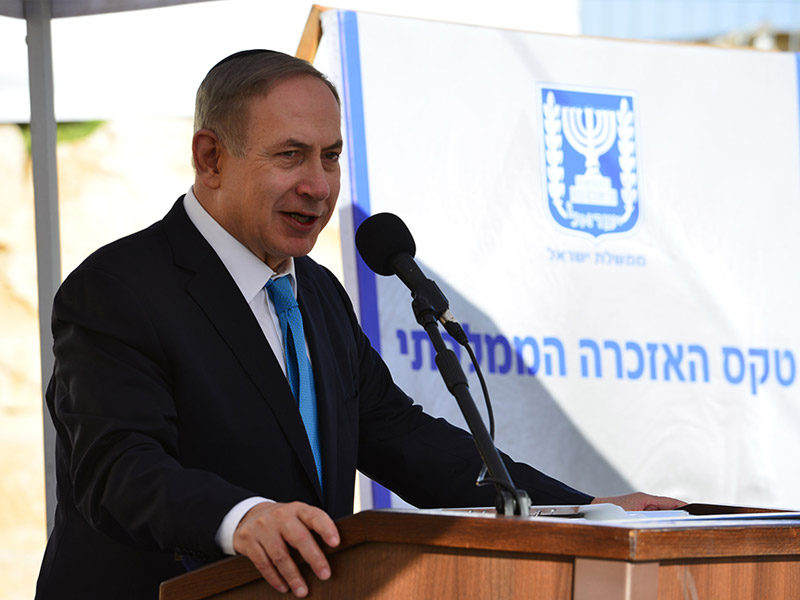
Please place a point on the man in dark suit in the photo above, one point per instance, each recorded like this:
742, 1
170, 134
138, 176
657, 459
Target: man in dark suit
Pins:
178, 434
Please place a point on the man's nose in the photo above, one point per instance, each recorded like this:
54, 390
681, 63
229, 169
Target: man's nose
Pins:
314, 181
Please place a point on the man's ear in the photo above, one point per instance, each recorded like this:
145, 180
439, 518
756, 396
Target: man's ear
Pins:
206, 153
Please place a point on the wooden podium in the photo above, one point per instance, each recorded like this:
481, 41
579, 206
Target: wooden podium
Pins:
475, 554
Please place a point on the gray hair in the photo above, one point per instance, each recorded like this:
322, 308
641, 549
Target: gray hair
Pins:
223, 97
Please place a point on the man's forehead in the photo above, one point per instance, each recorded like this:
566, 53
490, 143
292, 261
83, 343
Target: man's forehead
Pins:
304, 100
302, 84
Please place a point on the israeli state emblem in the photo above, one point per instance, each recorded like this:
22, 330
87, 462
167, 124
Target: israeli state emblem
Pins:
590, 161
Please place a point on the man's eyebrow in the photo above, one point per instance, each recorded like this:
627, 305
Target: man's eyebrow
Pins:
335, 145
295, 143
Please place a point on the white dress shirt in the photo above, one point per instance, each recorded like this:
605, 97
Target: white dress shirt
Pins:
251, 275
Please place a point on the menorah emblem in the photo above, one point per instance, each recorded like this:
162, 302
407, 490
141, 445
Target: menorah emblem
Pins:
592, 133
592, 179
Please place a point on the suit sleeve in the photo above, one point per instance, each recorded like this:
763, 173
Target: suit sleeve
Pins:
112, 402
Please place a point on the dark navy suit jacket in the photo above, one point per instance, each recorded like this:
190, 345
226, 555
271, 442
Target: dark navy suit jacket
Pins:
170, 408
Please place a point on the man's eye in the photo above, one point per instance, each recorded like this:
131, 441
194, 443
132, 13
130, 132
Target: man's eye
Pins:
332, 156
289, 153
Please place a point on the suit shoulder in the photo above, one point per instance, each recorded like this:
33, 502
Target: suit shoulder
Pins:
151, 250
129, 252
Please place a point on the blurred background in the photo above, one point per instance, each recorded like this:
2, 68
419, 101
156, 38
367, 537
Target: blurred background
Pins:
124, 93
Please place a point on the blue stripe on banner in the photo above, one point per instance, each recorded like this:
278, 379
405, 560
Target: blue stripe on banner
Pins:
797, 63
359, 188
357, 158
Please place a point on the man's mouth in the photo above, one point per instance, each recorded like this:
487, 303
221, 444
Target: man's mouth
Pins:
304, 219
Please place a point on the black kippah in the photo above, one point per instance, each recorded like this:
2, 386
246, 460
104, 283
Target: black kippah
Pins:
242, 53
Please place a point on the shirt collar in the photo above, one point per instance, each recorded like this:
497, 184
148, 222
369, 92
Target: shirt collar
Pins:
247, 270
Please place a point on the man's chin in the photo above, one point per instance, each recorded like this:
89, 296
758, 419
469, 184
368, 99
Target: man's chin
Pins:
296, 250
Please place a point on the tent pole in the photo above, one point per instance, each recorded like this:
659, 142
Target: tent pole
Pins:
38, 14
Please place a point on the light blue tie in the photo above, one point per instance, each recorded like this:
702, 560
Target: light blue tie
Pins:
298, 367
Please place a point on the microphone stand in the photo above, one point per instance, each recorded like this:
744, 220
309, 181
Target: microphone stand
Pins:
509, 499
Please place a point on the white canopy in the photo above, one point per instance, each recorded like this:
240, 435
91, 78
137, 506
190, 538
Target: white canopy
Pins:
77, 8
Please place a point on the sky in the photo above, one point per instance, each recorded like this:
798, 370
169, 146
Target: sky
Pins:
149, 62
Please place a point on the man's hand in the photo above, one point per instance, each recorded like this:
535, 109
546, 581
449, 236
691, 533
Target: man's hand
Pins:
268, 530
641, 501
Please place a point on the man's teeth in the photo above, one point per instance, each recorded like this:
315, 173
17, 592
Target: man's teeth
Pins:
301, 218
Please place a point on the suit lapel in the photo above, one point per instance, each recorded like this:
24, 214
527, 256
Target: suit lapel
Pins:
216, 293
321, 361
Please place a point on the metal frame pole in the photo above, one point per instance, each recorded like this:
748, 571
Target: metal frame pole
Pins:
38, 14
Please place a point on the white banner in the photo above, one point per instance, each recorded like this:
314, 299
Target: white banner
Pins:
616, 226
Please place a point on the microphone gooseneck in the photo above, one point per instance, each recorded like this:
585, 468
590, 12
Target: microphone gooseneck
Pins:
388, 248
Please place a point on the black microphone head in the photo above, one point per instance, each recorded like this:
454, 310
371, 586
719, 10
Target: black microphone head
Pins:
382, 237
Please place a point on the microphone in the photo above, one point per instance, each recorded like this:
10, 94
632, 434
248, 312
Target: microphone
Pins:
388, 248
